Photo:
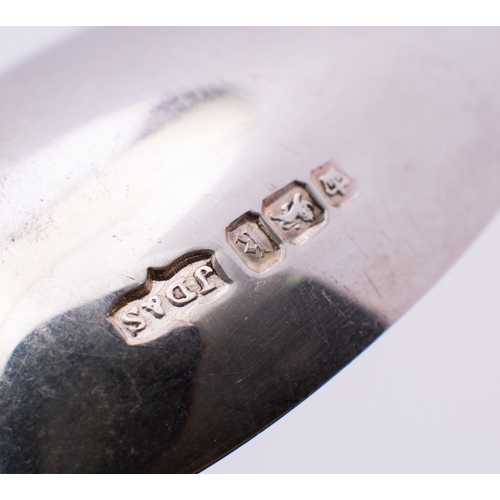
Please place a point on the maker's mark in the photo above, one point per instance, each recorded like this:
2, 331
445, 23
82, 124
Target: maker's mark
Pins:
168, 298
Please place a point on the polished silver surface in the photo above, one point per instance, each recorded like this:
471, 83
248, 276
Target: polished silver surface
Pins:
143, 151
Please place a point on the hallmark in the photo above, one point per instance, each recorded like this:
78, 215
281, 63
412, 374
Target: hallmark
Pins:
334, 184
294, 213
168, 298
254, 242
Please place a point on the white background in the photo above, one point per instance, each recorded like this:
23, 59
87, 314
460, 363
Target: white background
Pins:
424, 398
